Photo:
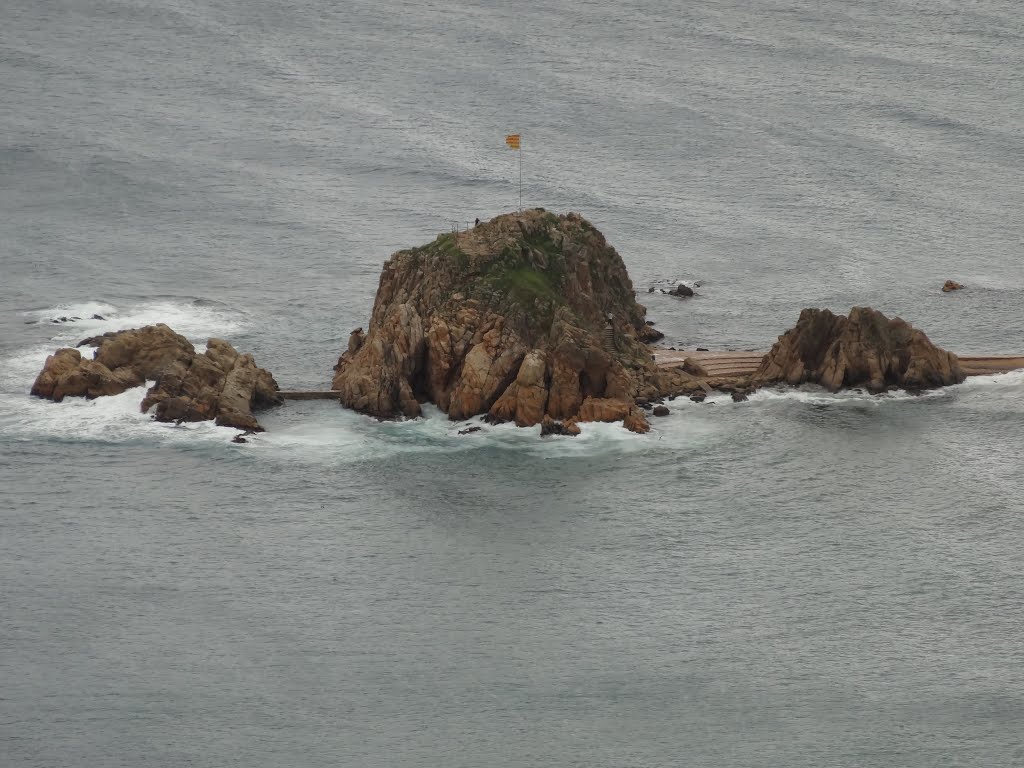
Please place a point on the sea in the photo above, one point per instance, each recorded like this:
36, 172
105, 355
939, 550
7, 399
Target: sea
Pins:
802, 580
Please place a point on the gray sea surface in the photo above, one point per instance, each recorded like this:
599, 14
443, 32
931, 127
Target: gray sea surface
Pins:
797, 581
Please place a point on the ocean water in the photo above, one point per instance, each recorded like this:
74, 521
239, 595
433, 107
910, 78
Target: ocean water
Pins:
796, 581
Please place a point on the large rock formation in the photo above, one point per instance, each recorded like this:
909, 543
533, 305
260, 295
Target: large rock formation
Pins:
219, 384
522, 317
866, 349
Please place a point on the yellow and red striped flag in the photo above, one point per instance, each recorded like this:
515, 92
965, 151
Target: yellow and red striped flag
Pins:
512, 140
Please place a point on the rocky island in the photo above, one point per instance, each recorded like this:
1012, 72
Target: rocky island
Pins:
220, 384
527, 317
865, 349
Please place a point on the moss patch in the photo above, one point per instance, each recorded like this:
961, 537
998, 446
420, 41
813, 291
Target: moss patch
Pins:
526, 285
446, 245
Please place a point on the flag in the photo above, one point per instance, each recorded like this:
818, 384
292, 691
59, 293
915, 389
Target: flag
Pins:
512, 140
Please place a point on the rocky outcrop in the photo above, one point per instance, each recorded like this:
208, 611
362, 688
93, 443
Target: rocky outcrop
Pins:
122, 360
549, 426
865, 349
148, 351
67, 374
611, 409
521, 318
682, 290
951, 285
693, 368
219, 384
649, 335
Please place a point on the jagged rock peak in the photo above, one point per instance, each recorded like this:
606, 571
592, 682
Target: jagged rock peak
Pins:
523, 316
865, 349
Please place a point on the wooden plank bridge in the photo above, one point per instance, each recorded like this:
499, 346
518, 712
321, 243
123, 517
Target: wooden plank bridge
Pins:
744, 363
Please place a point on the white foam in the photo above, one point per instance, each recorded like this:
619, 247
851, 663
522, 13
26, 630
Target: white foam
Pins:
668, 285
194, 319
1009, 381
18, 372
117, 418
114, 419
340, 435
191, 318
817, 396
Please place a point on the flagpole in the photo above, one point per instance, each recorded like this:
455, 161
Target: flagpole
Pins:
514, 141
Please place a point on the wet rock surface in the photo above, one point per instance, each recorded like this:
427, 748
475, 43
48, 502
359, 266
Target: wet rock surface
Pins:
865, 349
523, 317
220, 384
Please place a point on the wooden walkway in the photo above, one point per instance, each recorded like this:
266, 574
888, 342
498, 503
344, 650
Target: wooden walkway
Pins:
301, 394
745, 363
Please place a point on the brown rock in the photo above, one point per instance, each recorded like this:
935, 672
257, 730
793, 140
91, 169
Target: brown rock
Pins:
635, 421
148, 350
523, 316
549, 426
681, 290
649, 335
660, 410
610, 409
67, 374
220, 384
866, 349
488, 369
951, 285
355, 340
389, 359
57, 367
693, 368
604, 409
525, 400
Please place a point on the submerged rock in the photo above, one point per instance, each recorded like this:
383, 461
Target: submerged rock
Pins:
551, 427
219, 384
682, 290
649, 335
951, 285
866, 349
521, 318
